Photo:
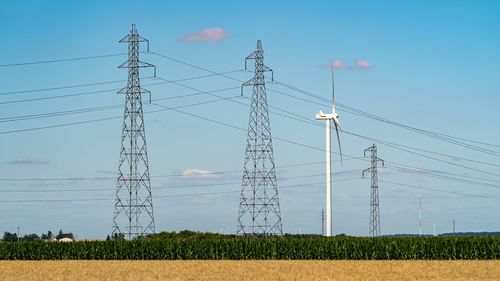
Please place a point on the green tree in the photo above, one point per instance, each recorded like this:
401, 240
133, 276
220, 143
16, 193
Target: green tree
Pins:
31, 237
118, 236
10, 237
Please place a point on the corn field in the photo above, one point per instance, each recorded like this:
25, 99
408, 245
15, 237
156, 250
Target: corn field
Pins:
246, 248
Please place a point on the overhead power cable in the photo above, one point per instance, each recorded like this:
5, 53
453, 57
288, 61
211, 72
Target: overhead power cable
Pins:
441, 136
214, 173
91, 92
61, 60
444, 137
101, 108
441, 191
239, 80
103, 119
161, 196
310, 185
286, 85
65, 189
399, 147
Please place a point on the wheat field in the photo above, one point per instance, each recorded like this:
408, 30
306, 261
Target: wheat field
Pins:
249, 270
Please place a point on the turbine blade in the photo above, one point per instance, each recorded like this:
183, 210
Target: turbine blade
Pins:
333, 88
337, 123
337, 128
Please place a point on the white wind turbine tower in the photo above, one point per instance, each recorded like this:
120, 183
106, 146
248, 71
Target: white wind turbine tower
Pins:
328, 118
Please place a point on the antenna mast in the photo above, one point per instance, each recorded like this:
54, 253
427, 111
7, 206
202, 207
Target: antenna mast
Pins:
420, 215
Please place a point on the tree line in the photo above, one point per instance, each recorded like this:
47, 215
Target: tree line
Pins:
13, 237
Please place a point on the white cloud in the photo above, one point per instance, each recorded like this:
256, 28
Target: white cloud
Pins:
362, 64
337, 64
359, 64
199, 173
28, 161
206, 35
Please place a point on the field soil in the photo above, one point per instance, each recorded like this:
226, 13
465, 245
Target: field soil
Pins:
249, 270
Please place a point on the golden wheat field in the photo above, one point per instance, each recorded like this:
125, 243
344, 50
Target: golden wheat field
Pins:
249, 270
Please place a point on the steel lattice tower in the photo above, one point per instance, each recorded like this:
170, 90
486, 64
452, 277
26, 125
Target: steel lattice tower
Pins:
133, 214
259, 212
374, 198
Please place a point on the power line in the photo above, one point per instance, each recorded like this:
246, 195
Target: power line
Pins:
63, 87
95, 92
237, 191
102, 119
195, 66
441, 176
273, 112
245, 104
160, 196
108, 82
361, 113
223, 74
61, 60
10, 190
399, 147
102, 108
158, 176
308, 121
353, 111
441, 191
316, 148
390, 144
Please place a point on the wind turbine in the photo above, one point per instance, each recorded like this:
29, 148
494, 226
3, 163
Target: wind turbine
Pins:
328, 118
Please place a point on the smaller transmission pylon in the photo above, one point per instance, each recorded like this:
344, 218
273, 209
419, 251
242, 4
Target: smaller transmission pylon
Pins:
374, 198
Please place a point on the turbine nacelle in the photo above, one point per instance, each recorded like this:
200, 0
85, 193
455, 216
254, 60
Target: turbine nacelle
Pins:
325, 116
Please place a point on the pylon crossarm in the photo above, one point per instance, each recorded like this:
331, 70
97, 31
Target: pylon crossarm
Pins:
364, 171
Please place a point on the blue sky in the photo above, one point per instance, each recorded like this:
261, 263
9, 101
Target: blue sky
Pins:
432, 65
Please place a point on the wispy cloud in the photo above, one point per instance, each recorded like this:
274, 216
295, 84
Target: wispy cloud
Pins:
199, 173
363, 64
359, 64
337, 64
206, 35
107, 172
28, 161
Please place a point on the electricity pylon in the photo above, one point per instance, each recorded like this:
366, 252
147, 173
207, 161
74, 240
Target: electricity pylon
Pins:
374, 199
259, 212
133, 214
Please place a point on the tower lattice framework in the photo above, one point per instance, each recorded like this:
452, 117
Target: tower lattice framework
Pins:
133, 212
259, 211
374, 198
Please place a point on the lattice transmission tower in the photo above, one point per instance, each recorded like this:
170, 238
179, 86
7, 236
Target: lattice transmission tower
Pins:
259, 212
374, 198
133, 213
